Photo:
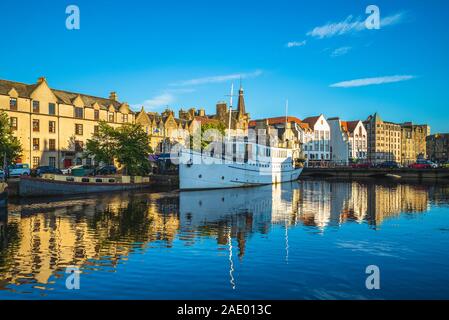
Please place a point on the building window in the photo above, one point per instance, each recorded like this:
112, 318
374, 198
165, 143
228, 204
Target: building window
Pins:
35, 143
79, 146
125, 118
36, 162
13, 104
52, 144
79, 129
79, 161
89, 161
52, 162
13, 123
51, 109
52, 126
96, 114
96, 129
36, 106
35, 125
79, 113
111, 117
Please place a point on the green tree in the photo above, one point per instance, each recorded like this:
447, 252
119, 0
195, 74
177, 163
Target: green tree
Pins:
128, 144
103, 145
133, 149
9, 144
220, 127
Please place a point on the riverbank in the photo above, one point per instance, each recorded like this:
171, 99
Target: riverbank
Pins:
404, 174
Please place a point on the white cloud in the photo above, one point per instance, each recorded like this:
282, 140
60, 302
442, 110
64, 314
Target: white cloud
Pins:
350, 25
371, 81
293, 44
217, 79
340, 51
155, 102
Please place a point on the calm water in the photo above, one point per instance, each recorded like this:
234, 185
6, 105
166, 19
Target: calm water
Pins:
306, 240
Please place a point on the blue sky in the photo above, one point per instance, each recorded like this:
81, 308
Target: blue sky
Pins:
187, 53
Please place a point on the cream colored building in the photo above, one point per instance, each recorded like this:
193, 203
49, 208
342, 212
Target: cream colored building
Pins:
54, 125
384, 140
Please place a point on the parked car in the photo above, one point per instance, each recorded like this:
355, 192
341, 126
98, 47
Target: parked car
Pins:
69, 169
106, 170
20, 169
83, 171
389, 165
362, 165
39, 171
423, 164
445, 165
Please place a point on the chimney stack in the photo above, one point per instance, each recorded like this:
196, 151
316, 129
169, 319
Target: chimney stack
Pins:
113, 96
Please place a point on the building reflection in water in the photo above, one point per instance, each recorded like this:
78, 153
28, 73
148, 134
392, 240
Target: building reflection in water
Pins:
38, 241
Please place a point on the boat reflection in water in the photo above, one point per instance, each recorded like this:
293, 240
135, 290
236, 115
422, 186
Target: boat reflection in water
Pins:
177, 235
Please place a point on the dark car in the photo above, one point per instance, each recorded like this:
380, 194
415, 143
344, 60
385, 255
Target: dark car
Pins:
39, 171
365, 165
389, 165
106, 170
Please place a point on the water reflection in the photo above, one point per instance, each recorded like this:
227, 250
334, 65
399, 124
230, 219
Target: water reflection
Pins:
38, 240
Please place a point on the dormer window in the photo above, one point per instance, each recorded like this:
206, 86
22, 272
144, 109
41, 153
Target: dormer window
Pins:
111, 117
96, 114
125, 118
79, 113
13, 104
51, 109
36, 106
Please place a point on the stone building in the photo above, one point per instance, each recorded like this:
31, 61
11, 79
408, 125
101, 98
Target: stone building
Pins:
413, 142
348, 140
388, 141
282, 132
239, 118
54, 125
384, 140
165, 129
438, 147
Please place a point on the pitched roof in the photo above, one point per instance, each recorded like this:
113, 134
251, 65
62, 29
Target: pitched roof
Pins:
311, 120
65, 97
349, 126
276, 120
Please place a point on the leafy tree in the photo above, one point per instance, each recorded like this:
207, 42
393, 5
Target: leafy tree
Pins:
133, 149
103, 145
9, 144
220, 127
128, 144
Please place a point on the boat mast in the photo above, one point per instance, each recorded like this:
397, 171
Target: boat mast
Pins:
230, 111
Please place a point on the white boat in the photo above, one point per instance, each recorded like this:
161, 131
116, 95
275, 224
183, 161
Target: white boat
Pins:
260, 165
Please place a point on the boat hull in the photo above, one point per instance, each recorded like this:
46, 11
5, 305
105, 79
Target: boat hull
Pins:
32, 187
232, 175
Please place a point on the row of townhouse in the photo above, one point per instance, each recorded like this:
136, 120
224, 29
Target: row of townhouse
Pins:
52, 125
339, 141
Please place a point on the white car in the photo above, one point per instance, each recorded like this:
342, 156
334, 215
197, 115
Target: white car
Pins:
20, 169
68, 171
